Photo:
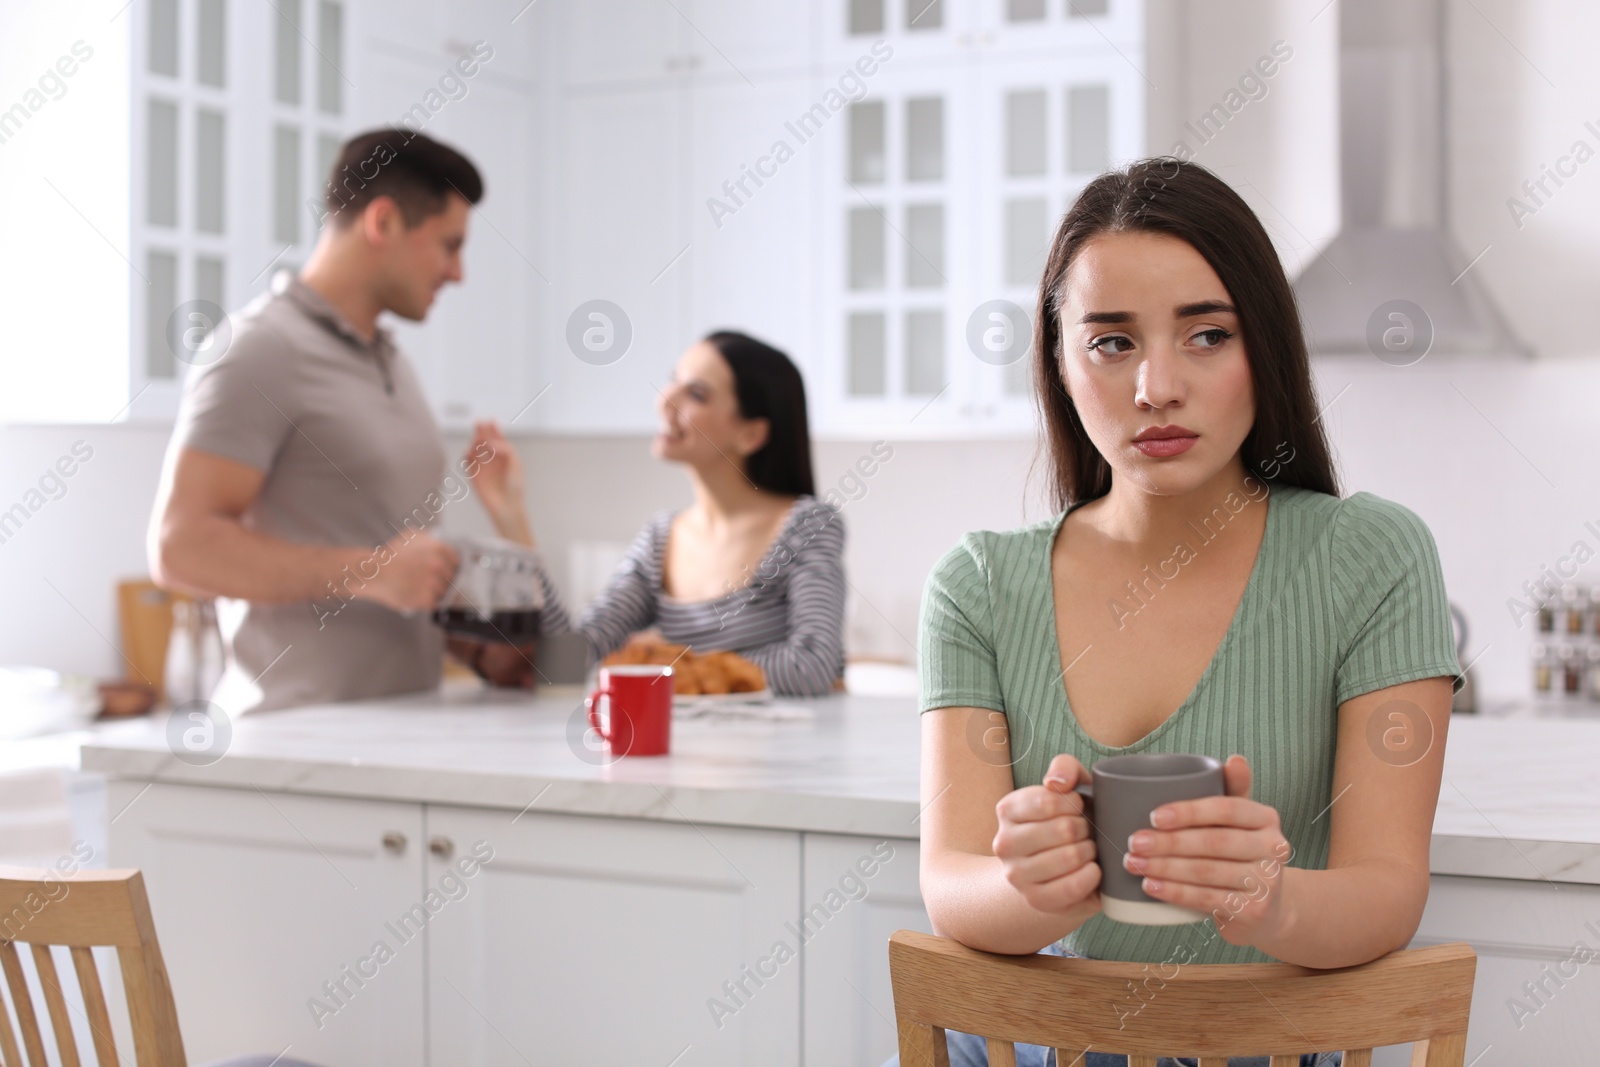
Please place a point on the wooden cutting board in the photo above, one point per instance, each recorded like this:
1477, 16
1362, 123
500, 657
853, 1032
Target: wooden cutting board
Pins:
145, 613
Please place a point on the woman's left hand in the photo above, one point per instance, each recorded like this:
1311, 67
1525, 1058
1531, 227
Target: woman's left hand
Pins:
1223, 856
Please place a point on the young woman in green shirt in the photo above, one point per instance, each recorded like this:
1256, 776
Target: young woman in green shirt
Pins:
1203, 588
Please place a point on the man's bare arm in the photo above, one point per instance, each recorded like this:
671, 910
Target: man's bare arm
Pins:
199, 544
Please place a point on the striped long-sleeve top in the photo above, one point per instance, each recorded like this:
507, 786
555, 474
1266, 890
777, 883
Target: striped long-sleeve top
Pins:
788, 618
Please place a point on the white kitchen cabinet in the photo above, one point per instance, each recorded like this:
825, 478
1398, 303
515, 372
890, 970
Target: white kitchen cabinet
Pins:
919, 30
1525, 934
1021, 26
898, 252
1045, 128
621, 238
271, 908
866, 888
603, 128
725, 40
598, 940
647, 136
230, 120
482, 330
752, 183
1023, 128
293, 80
635, 44
474, 351
621, 44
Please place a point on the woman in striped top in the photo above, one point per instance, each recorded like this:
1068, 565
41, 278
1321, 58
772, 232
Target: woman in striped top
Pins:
1202, 588
755, 564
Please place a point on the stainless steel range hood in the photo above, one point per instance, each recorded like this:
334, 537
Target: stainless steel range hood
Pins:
1394, 243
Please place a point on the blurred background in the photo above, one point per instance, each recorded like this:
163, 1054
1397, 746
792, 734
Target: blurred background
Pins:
867, 184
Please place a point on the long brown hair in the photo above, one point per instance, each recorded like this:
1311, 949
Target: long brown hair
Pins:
1187, 201
768, 386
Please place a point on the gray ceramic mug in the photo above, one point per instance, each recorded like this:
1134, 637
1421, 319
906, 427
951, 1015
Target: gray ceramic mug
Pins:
1124, 791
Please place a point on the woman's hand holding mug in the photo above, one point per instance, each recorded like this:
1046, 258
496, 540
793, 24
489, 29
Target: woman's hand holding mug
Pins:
1044, 842
1222, 856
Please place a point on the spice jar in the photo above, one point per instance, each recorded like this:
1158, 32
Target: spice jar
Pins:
1574, 602
1571, 671
1541, 668
1547, 617
1594, 672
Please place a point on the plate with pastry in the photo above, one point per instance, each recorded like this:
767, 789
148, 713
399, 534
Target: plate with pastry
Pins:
699, 678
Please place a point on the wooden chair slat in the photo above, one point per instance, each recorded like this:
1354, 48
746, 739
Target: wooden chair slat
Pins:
22, 1003
1001, 1053
56, 1001
1445, 1050
1420, 996
922, 1046
94, 1004
9, 1056
1358, 1057
1067, 1057
155, 1025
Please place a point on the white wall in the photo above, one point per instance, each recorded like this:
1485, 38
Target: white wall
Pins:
1498, 458
64, 210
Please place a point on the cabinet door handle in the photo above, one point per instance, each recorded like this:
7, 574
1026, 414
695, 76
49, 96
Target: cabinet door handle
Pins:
394, 841
441, 847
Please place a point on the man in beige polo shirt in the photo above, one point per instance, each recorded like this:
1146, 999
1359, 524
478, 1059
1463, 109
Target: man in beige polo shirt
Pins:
305, 468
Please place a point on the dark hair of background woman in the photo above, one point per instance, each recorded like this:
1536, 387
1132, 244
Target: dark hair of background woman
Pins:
768, 386
1189, 202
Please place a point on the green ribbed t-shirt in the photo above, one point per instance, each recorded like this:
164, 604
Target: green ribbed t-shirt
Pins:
1345, 597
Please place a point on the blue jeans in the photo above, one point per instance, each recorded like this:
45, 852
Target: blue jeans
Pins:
968, 1050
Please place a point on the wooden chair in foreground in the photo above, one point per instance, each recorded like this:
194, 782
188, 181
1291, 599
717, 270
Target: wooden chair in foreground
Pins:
86, 909
1210, 1011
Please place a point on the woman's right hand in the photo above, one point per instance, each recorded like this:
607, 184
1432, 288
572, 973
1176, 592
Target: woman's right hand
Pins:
495, 470
1044, 842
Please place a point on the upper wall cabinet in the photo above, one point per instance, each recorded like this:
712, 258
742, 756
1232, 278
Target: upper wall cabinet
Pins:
616, 313
670, 215
869, 184
941, 190
239, 112
619, 44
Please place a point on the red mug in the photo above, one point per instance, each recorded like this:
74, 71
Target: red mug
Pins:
639, 699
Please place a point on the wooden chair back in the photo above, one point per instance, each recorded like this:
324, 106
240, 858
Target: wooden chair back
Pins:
87, 909
1209, 1011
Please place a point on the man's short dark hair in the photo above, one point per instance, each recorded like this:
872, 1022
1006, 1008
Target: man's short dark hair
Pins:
418, 172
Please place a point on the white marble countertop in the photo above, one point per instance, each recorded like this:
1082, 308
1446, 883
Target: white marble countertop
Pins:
1521, 793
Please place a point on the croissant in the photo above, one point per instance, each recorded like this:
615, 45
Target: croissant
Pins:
693, 673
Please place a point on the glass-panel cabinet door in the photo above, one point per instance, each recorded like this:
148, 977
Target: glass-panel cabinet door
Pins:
896, 250
235, 109
1022, 26
1044, 129
915, 30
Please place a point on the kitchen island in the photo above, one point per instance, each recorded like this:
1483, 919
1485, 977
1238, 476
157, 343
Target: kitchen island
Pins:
462, 878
